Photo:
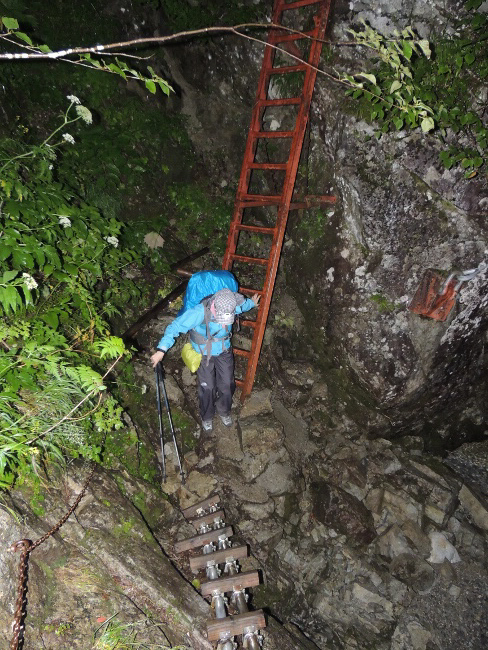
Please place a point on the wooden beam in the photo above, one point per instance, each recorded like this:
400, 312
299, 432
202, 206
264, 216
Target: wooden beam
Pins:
203, 539
236, 582
219, 557
234, 625
192, 511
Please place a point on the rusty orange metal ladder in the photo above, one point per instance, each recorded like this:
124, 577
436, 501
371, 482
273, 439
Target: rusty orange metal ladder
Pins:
260, 213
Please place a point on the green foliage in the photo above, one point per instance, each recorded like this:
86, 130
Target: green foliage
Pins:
116, 635
199, 217
60, 279
439, 92
117, 66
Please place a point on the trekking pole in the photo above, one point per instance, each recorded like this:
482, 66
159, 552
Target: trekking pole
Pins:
160, 416
165, 395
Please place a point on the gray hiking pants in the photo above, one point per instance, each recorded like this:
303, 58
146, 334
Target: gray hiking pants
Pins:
216, 385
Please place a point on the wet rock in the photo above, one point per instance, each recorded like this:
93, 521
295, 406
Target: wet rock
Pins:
228, 444
442, 549
337, 509
258, 403
413, 571
471, 462
412, 636
276, 479
476, 506
261, 436
392, 543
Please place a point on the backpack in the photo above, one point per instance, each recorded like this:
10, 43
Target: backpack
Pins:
201, 289
204, 284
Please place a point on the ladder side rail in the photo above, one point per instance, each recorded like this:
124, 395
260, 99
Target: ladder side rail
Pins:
250, 148
295, 152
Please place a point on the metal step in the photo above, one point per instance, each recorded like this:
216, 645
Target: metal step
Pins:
207, 519
235, 582
203, 539
219, 557
192, 511
230, 626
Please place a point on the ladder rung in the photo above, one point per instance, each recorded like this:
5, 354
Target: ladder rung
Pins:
236, 582
259, 199
208, 519
261, 261
286, 69
274, 134
298, 4
235, 625
201, 540
192, 511
249, 323
285, 101
240, 352
260, 229
255, 165
219, 557
250, 292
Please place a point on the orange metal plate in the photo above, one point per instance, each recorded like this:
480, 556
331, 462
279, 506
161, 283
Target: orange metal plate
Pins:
428, 302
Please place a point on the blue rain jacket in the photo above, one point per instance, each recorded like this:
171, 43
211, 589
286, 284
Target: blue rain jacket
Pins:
194, 318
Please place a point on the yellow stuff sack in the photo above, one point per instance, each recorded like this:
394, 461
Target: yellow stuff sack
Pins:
191, 357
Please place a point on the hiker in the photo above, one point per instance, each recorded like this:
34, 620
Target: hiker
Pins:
210, 326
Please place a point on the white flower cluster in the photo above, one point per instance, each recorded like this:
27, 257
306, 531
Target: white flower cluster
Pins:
85, 114
68, 138
30, 283
73, 99
64, 221
112, 240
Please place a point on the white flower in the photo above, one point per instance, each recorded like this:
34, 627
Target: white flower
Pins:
69, 138
64, 221
30, 283
85, 114
73, 99
112, 240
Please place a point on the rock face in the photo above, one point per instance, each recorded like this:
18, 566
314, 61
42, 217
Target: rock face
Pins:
356, 268
362, 543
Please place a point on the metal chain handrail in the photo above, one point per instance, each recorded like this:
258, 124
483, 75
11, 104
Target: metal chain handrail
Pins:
27, 546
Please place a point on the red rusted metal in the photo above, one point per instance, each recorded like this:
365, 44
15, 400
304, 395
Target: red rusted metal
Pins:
300, 109
435, 296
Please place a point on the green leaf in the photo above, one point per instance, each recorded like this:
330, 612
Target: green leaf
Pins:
427, 124
27, 295
12, 297
395, 85
398, 122
407, 50
150, 85
466, 162
51, 318
369, 77
4, 252
9, 275
478, 161
22, 258
469, 58
425, 47
10, 23
23, 37
45, 48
